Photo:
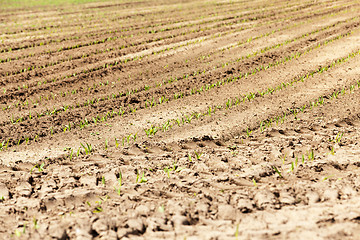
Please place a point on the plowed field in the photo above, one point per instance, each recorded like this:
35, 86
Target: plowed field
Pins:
179, 119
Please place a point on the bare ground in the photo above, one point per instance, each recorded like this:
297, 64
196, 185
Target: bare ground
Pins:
151, 120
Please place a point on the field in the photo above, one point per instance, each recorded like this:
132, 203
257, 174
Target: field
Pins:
179, 119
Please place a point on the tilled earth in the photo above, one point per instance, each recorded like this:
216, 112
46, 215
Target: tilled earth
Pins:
180, 120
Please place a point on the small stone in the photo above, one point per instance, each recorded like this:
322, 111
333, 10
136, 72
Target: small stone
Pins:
179, 220
24, 189
109, 235
331, 194
88, 180
57, 231
100, 226
313, 197
82, 234
136, 226
347, 192
4, 192
286, 198
142, 210
226, 212
121, 232
264, 198
110, 179
202, 208
244, 205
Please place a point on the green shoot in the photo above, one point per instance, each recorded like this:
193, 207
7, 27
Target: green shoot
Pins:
39, 167
103, 180
198, 155
143, 179
311, 155
167, 171
277, 171
118, 190
88, 148
189, 156
255, 185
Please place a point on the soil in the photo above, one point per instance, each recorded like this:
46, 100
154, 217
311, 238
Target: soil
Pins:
154, 120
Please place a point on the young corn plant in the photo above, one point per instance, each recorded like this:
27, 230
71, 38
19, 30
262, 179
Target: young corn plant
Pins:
118, 190
277, 171
197, 155
88, 148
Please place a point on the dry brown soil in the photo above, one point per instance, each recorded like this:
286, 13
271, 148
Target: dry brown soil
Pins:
180, 120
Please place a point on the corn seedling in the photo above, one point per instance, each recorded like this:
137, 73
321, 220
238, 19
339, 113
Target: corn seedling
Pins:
311, 155
248, 132
197, 155
255, 185
39, 167
118, 190
167, 171
143, 179
106, 144
332, 151
88, 148
71, 154
283, 158
103, 181
189, 157
277, 171
292, 167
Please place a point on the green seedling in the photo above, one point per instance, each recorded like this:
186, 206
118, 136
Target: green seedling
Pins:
103, 181
39, 167
88, 148
332, 151
189, 157
237, 232
311, 155
106, 144
292, 167
118, 190
36, 223
248, 132
161, 209
71, 154
137, 176
327, 177
167, 171
277, 171
283, 158
98, 209
143, 179
339, 137
197, 155
255, 185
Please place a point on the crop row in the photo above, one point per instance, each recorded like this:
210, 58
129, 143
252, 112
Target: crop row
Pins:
129, 92
250, 96
148, 102
247, 133
121, 47
132, 28
96, 17
168, 124
126, 60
